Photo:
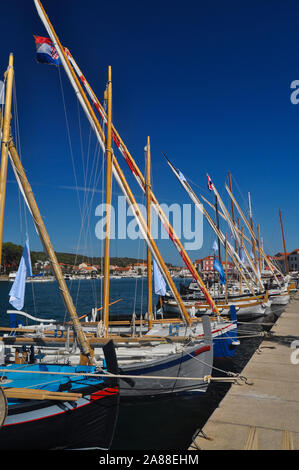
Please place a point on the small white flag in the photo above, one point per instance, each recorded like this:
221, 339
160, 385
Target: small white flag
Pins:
182, 177
215, 246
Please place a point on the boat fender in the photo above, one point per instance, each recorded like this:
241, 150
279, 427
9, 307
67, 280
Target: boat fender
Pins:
170, 330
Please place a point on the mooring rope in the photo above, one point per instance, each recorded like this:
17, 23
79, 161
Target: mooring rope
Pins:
206, 378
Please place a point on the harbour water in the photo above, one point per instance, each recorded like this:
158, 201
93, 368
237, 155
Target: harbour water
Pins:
146, 424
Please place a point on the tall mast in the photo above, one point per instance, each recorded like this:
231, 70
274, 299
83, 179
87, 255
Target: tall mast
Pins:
252, 233
217, 222
200, 207
117, 172
226, 271
259, 244
240, 251
141, 181
232, 205
4, 145
284, 244
233, 228
252, 228
40, 226
108, 204
149, 255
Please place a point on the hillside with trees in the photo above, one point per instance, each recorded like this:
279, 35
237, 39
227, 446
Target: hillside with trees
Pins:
11, 255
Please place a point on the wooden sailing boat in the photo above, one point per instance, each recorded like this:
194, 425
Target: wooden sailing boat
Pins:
252, 305
278, 295
140, 356
38, 399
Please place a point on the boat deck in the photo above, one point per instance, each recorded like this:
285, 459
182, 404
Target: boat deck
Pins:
264, 415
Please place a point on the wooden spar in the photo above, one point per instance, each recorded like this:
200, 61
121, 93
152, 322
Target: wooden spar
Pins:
226, 270
117, 172
252, 228
22, 178
201, 208
217, 223
147, 236
232, 206
223, 216
252, 234
284, 244
230, 222
142, 183
242, 235
259, 246
40, 394
149, 255
108, 205
4, 145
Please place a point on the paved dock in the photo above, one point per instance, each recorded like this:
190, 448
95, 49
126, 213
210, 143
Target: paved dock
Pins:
264, 415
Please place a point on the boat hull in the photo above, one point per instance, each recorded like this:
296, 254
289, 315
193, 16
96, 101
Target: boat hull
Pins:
280, 299
88, 423
46, 424
192, 362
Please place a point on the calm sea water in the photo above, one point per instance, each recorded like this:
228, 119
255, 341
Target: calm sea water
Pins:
144, 424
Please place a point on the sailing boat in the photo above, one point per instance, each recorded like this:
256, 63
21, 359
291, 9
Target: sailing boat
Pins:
45, 405
137, 356
251, 306
279, 294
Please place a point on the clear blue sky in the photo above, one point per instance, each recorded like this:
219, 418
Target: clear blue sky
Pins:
209, 82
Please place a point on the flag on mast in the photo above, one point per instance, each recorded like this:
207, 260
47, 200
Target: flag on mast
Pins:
17, 292
217, 266
210, 184
181, 176
45, 51
215, 246
243, 257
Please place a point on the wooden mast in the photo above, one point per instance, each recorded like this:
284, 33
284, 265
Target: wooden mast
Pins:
142, 183
4, 145
149, 255
252, 233
229, 220
232, 206
40, 226
201, 208
108, 205
241, 246
226, 271
284, 244
259, 245
252, 228
117, 172
217, 222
